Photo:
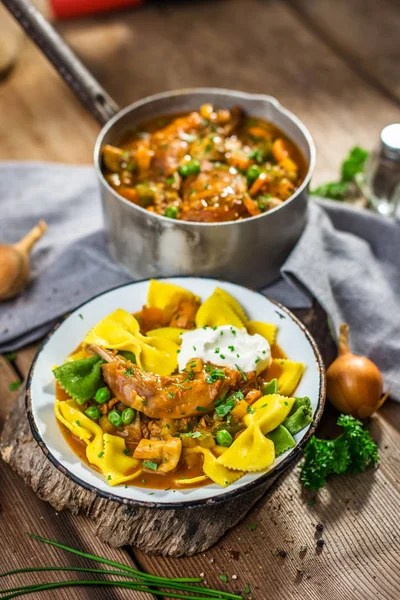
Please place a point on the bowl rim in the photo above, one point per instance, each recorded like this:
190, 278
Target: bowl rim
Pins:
274, 472
186, 92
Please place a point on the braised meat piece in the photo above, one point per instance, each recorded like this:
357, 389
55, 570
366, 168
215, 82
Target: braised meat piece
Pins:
215, 195
183, 395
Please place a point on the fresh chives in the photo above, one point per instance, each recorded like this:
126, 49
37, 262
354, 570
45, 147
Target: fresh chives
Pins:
141, 581
141, 587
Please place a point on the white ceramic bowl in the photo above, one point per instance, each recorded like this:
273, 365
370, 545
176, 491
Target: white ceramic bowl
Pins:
292, 336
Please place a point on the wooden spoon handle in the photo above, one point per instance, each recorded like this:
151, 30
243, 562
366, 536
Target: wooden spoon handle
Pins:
29, 240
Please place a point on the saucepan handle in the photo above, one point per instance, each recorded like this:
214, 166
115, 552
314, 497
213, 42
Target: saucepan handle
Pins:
74, 73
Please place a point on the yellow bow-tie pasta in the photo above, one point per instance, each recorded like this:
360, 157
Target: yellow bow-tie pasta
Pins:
269, 412
117, 466
168, 333
81, 354
287, 372
69, 414
107, 452
121, 331
233, 303
215, 471
251, 451
216, 311
164, 295
267, 330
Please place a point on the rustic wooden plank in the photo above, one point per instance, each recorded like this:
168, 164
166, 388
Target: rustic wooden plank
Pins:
172, 532
239, 45
24, 358
22, 511
8, 376
361, 531
365, 33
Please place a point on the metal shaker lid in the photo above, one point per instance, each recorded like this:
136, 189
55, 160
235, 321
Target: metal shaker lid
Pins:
390, 138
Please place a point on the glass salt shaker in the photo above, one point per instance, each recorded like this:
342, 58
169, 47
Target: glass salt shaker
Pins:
380, 181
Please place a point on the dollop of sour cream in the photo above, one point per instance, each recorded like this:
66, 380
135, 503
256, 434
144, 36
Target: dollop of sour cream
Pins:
225, 346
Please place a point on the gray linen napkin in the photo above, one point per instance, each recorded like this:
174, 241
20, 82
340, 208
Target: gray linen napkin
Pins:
348, 260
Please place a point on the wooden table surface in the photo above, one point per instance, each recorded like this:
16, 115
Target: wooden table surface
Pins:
336, 65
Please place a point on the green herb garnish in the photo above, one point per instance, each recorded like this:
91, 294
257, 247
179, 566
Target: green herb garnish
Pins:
351, 166
224, 408
14, 385
241, 372
192, 434
213, 374
149, 464
257, 155
353, 451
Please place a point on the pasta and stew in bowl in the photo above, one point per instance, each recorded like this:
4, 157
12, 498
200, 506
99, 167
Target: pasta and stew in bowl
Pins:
190, 394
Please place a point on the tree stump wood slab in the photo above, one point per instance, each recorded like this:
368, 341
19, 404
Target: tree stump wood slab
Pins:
181, 532
156, 531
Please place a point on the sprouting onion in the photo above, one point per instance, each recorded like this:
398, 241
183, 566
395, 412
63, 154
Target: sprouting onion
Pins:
142, 581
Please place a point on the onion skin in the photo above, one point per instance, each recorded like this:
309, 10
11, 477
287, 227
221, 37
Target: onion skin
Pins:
354, 383
14, 263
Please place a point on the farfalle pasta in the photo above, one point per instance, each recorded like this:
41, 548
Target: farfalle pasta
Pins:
181, 394
121, 331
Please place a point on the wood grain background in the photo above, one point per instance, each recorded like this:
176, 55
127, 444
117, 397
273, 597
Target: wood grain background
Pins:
336, 65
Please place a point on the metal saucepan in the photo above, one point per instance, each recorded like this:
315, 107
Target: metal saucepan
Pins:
250, 251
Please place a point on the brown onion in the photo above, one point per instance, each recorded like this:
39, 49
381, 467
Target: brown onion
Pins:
354, 383
14, 263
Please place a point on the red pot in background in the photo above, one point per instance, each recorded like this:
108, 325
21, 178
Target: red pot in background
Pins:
63, 9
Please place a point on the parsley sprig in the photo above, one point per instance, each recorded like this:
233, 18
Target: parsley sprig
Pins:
351, 166
353, 451
214, 374
223, 408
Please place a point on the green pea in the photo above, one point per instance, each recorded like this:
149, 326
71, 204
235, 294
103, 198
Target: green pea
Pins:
93, 412
128, 414
190, 168
171, 212
261, 205
114, 416
252, 173
102, 395
224, 438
